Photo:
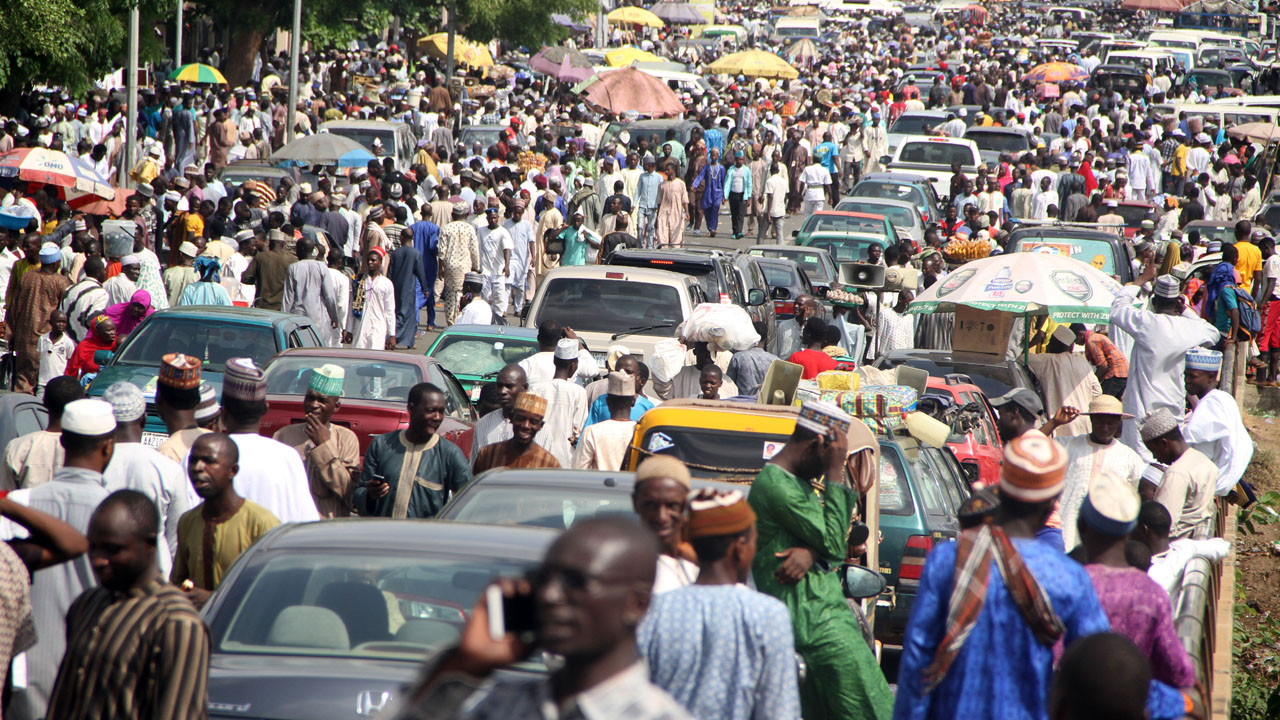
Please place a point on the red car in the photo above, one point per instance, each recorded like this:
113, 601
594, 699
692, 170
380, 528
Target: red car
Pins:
375, 392
1134, 213
980, 447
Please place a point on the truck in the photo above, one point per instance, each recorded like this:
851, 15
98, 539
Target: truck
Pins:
934, 157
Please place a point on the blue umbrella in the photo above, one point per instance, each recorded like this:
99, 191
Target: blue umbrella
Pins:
355, 158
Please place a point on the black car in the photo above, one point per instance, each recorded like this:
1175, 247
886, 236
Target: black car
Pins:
995, 378
331, 620
818, 265
787, 281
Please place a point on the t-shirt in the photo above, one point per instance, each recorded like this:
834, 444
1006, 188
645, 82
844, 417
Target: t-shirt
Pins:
1225, 303
815, 179
813, 362
825, 153
776, 188
54, 355
1273, 272
1248, 262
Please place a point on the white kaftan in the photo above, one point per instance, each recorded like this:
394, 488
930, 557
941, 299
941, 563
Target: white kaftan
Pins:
377, 323
1215, 429
272, 475
1085, 461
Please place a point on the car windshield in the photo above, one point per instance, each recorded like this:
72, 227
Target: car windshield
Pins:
941, 154
1097, 253
999, 142
1221, 233
824, 222
609, 306
777, 275
914, 124
891, 191
703, 272
367, 604
486, 138
1134, 214
478, 355
810, 262
899, 216
213, 342
846, 249
934, 479
364, 379
1215, 78
993, 380
554, 508
729, 454
366, 136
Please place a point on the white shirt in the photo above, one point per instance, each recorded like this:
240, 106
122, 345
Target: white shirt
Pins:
7, 260
1167, 567
1215, 429
1085, 461
541, 366
673, 574
477, 312
776, 188
492, 244
566, 413
604, 445
1068, 380
135, 466
54, 355
271, 474
815, 178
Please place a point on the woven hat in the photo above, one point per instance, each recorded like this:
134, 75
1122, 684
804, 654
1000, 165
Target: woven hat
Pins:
327, 380
1111, 507
243, 381
180, 371
1107, 405
473, 278
1167, 286
663, 466
819, 417
1034, 467
714, 512
530, 404
89, 416
567, 349
1158, 424
621, 384
126, 400
208, 406
1199, 358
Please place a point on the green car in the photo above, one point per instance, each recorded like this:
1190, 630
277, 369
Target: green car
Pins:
475, 353
829, 223
846, 247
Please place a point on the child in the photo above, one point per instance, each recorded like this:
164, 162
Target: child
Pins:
55, 348
710, 381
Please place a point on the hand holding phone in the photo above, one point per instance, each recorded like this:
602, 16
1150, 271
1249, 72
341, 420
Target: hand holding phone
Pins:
509, 613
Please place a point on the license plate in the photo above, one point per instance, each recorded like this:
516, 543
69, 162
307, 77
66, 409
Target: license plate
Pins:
153, 440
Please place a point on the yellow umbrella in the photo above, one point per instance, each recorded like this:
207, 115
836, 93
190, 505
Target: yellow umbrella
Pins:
628, 56
756, 63
631, 15
464, 51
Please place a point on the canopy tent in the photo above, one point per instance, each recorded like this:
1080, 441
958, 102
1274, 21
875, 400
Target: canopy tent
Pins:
465, 52
630, 15
628, 55
562, 63
1025, 283
1153, 5
1263, 132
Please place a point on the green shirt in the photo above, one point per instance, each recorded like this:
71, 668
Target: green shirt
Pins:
420, 486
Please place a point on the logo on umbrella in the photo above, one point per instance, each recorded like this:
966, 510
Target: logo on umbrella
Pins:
954, 281
1072, 284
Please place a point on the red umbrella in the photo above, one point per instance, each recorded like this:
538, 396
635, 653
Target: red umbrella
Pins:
631, 89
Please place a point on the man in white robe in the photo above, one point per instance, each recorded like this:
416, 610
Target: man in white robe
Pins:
1214, 426
566, 404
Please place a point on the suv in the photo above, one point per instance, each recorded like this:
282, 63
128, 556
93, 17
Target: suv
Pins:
974, 439
934, 158
725, 276
1104, 250
915, 189
817, 263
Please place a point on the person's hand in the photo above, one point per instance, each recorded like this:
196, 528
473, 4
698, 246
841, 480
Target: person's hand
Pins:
796, 561
333, 324
391, 343
317, 431
569, 333
346, 337
197, 596
835, 448
378, 487
478, 653
1065, 415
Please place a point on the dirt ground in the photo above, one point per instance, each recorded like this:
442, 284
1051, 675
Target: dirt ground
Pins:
1258, 585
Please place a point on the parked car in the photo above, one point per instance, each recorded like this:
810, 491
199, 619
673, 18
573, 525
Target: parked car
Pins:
487, 136
1134, 213
395, 139
1209, 230
475, 353
375, 392
902, 214
912, 187
994, 141
836, 222
818, 266
934, 157
332, 620
974, 439
723, 275
787, 281
995, 378
914, 122
20, 414
213, 334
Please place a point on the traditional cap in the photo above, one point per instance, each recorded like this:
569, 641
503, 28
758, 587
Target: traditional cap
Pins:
615, 351
50, 253
327, 380
819, 417
208, 406
1112, 203
127, 403
1148, 224
473, 278
181, 182
129, 260
90, 417
1158, 424
1033, 469
714, 512
530, 404
567, 349
621, 384
461, 208
1214, 246
1167, 286
1023, 398
243, 381
189, 249
1199, 358
1065, 335
179, 371
376, 213
1203, 138
663, 466
1142, 247
1107, 405
1111, 507
173, 196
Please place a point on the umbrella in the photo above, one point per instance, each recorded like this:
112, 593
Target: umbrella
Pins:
464, 51
198, 73
756, 63
804, 49
54, 167
630, 89
562, 63
1262, 132
323, 149
634, 16
1156, 5
678, 13
1025, 283
624, 56
114, 207
1056, 72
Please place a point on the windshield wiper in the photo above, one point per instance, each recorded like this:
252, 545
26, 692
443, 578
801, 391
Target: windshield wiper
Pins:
642, 328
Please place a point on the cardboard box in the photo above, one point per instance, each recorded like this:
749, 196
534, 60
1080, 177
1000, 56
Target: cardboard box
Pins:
981, 332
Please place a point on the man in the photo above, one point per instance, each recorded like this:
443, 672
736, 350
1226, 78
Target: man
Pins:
1187, 486
541, 365
475, 310
1067, 378
747, 369
711, 183
597, 392
27, 314
32, 459
1169, 558
496, 247
1103, 675
406, 269
177, 277
646, 200
1136, 606
213, 535
660, 499
1091, 454
121, 287
774, 204
426, 240
520, 450
330, 452
135, 466
177, 397
522, 254
119, 634
687, 382
814, 179
307, 289
720, 648
411, 473
577, 238
495, 426
604, 445
1110, 365
1111, 218
458, 253
964, 659
602, 675
267, 272
275, 477
802, 536
1214, 426
86, 299
786, 339
88, 428
566, 404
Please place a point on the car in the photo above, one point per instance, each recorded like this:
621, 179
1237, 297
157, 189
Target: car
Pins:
1209, 230
911, 187
787, 281
1123, 79
213, 334
818, 266
934, 157
970, 113
753, 279
1211, 81
475, 353
486, 136
993, 377
723, 277
1083, 241
836, 222
995, 141
396, 139
652, 131
375, 392
902, 214
914, 122
974, 439
848, 246
1269, 216
1134, 213
20, 414
334, 619
605, 304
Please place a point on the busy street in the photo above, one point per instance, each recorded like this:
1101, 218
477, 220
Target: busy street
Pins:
584, 360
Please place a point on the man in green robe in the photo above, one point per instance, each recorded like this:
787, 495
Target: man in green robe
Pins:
803, 529
411, 473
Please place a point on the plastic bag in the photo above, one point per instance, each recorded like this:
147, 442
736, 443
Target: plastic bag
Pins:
667, 359
726, 326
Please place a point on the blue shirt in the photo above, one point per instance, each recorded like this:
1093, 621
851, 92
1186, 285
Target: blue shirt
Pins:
725, 652
826, 153
599, 411
647, 190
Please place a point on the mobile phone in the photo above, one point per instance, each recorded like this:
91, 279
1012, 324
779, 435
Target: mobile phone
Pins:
509, 614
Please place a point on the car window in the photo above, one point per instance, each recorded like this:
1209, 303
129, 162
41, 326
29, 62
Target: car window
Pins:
846, 250
712, 453
456, 403
936, 153
1097, 253
537, 507
843, 223
905, 217
594, 304
895, 498
737, 294
915, 124
29, 418
755, 275
950, 477
364, 379
805, 285
475, 355
984, 433
999, 142
777, 275
214, 343
891, 191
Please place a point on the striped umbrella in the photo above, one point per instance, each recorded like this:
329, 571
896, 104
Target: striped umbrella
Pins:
198, 73
1056, 72
75, 177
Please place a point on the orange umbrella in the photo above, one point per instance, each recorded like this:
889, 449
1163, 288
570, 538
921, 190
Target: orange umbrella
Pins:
631, 89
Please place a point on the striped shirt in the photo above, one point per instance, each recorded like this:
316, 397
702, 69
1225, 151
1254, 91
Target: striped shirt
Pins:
140, 655
1102, 353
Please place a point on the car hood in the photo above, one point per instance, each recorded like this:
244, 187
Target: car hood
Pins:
144, 376
304, 688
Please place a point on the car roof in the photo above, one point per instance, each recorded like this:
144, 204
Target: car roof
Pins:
922, 113
1061, 231
787, 249
491, 330
876, 201
978, 129
362, 124
556, 478
894, 177
358, 353
415, 536
686, 255
232, 314
848, 213
634, 273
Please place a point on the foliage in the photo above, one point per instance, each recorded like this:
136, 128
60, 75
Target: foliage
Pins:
1263, 512
1256, 655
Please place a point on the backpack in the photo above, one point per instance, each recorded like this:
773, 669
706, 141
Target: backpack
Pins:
1250, 321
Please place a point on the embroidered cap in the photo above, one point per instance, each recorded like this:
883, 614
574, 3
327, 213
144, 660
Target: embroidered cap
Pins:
567, 349
820, 417
327, 380
208, 406
243, 381
1158, 424
1199, 358
530, 404
180, 371
126, 400
1167, 286
1034, 467
621, 384
1111, 507
50, 253
663, 466
714, 512
129, 260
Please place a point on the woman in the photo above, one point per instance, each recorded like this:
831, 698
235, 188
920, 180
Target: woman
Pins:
102, 336
673, 210
207, 289
371, 321
127, 315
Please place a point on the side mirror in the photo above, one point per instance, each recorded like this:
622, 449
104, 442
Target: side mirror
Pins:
861, 583
795, 233
885, 159
756, 297
971, 472
780, 293
103, 357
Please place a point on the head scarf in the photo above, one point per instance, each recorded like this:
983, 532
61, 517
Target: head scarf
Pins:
125, 321
208, 268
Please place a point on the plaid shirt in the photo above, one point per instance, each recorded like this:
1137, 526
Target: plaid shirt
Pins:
1101, 352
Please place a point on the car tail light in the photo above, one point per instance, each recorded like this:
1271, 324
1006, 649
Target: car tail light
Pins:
784, 307
912, 567
724, 299
615, 275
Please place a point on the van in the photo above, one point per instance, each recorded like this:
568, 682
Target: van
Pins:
1154, 61
789, 29
396, 140
680, 82
1221, 116
1078, 16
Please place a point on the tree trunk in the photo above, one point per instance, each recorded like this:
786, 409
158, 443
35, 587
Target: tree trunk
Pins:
245, 43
